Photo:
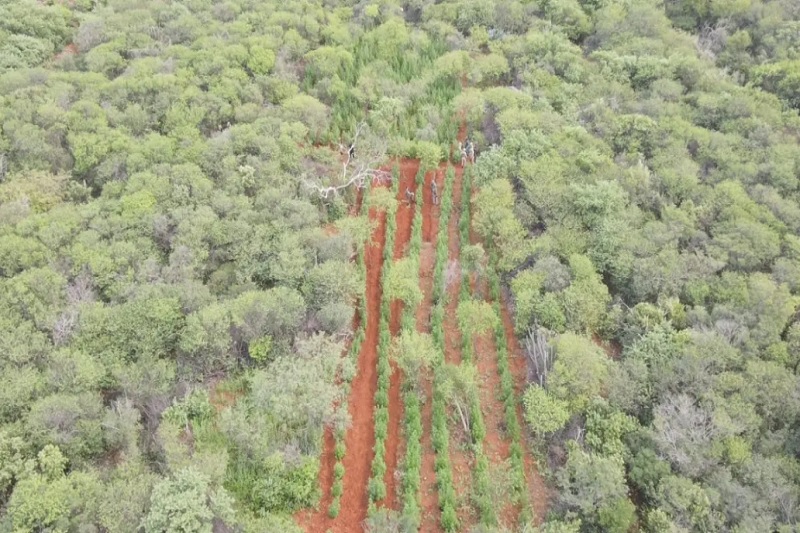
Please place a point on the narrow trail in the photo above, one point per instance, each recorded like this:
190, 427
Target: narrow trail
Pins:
537, 488
394, 441
460, 459
496, 444
360, 437
430, 227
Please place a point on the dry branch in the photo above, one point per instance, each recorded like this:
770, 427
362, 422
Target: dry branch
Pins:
357, 170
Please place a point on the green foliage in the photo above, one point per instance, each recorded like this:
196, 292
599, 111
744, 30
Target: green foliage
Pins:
579, 373
590, 482
414, 353
187, 503
260, 349
476, 317
281, 486
636, 182
333, 509
496, 223
543, 412
401, 282
195, 407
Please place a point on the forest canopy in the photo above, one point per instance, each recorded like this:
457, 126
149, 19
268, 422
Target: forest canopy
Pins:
182, 249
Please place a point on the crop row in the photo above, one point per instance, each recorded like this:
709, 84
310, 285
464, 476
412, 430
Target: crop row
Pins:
412, 463
440, 434
376, 488
508, 396
355, 348
481, 484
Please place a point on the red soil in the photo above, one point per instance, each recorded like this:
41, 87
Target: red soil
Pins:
613, 349
430, 228
495, 444
537, 488
405, 219
221, 399
360, 437
70, 50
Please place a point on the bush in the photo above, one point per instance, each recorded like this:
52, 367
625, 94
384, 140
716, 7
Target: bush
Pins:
333, 509
339, 451
280, 487
449, 519
337, 488
338, 471
376, 489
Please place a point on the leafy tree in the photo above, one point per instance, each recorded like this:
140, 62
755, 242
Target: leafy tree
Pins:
401, 282
555, 526
306, 379
587, 298
415, 354
475, 317
459, 386
71, 421
187, 503
618, 516
579, 372
285, 486
687, 504
590, 483
494, 220
126, 498
544, 413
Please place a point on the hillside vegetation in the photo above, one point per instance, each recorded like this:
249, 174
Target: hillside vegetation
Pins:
593, 327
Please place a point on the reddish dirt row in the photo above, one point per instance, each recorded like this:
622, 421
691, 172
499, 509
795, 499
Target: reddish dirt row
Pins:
430, 228
537, 488
360, 437
460, 460
495, 444
404, 219
70, 50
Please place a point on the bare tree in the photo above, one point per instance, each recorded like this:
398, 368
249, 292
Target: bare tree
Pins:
539, 353
684, 432
711, 40
78, 291
356, 171
64, 326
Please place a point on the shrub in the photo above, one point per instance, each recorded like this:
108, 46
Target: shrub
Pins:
339, 451
449, 519
338, 471
333, 509
337, 489
376, 489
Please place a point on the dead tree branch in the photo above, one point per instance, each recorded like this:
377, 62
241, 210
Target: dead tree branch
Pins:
357, 171
539, 353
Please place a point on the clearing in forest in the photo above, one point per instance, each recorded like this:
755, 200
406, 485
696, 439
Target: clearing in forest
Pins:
464, 453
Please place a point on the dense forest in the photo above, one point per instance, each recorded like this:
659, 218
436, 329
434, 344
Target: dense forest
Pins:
399, 265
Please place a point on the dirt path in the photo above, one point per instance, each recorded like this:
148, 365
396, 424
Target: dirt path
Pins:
430, 228
537, 489
394, 441
360, 437
496, 444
